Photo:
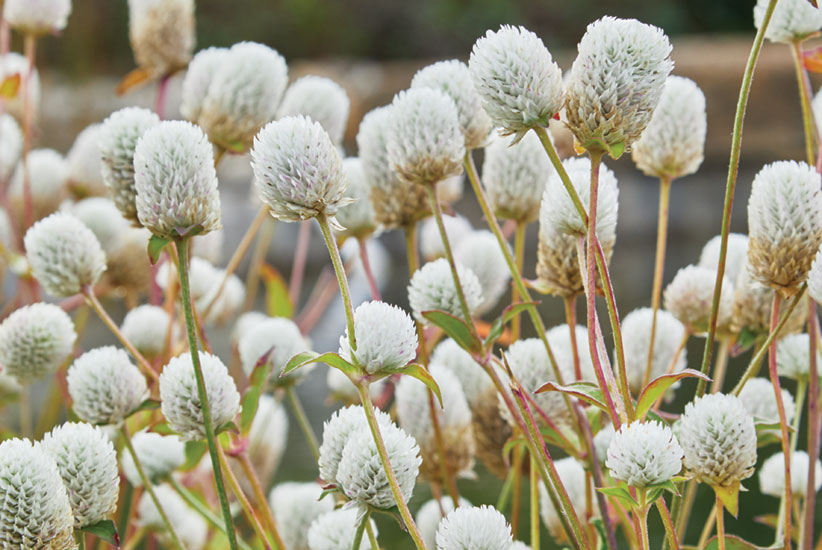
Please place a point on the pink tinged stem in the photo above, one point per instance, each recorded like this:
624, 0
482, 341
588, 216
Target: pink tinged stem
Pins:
300, 259
162, 92
806, 537
30, 45
783, 420
369, 274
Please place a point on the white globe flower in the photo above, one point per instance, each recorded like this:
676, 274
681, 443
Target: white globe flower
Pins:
636, 341
267, 437
752, 302
337, 431
572, 475
189, 526
480, 252
13, 63
791, 20
85, 165
559, 338
146, 327
643, 454
557, 264
758, 398
690, 294
296, 506
793, 357
337, 530
162, 34
34, 341
245, 322
198, 77
386, 338
209, 246
103, 218
475, 383
474, 528
281, 339
48, 175
602, 440
430, 515
11, 139
772, 475
37, 16
815, 277
159, 455
357, 218
431, 245
735, 256
320, 99
432, 288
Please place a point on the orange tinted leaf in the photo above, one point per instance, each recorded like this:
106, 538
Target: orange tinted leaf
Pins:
813, 60
10, 86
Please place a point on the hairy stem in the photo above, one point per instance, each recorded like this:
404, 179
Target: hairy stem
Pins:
659, 267
360, 532
571, 321
721, 365
519, 255
720, 524
259, 496
534, 503
668, 523
30, 49
804, 100
342, 280
295, 283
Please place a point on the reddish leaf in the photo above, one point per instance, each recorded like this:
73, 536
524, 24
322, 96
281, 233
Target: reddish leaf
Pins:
813, 59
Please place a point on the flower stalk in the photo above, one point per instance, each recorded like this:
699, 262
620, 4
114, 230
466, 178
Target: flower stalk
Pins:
659, 267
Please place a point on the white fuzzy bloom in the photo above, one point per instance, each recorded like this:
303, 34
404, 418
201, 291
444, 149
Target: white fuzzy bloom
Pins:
180, 402
429, 517
87, 463
602, 440
48, 175
146, 327
719, 439
202, 275
520, 85
474, 528
480, 252
159, 456
514, 175
690, 294
14, 63
644, 453
11, 145
198, 79
557, 265
298, 172
162, 34
337, 530
209, 246
34, 341
673, 143
117, 140
572, 475
431, 246
228, 302
341, 388
35, 513
105, 385
245, 86
559, 212
616, 82
758, 398
473, 380
103, 218
267, 437
735, 257
37, 16
245, 322
175, 180
791, 20
815, 277
337, 431
320, 99
793, 357
278, 337
784, 224
772, 475
432, 287
85, 165
386, 338
636, 341
296, 506
453, 78
559, 338
425, 144
187, 524
357, 217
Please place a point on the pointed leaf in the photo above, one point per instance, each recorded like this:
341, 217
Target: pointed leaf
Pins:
616, 150
135, 78
455, 328
147, 405
195, 451
155, 247
498, 326
658, 386
586, 391
10, 86
105, 530
277, 301
733, 542
813, 60
251, 399
744, 340
418, 371
227, 427
620, 492
729, 496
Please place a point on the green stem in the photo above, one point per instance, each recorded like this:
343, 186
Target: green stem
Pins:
721, 365
801, 392
534, 503
339, 270
249, 511
30, 49
519, 255
372, 539
259, 496
265, 234
809, 505
24, 408
302, 420
125, 509
720, 524
659, 267
642, 514
211, 439
360, 532
80, 538
804, 100
668, 523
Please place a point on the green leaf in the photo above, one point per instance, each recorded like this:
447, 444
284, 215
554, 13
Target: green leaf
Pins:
147, 405
277, 301
658, 386
620, 492
735, 543
10, 86
420, 373
105, 530
616, 150
498, 326
768, 433
330, 359
235, 146
586, 391
155, 247
729, 496
745, 339
251, 399
455, 328
227, 427
553, 437
195, 451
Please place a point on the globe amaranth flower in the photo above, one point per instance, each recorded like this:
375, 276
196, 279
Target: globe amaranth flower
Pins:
643, 454
87, 463
636, 341
162, 34
784, 224
718, 438
198, 77
296, 506
12, 139
159, 455
815, 277
48, 175
117, 141
180, 401
13, 63
34, 341
735, 255
480, 252
128, 266
430, 515
791, 20
35, 512
432, 288
793, 357
146, 327
298, 172
37, 16
557, 264
320, 99
673, 143
337, 432
105, 386
278, 338
572, 476
267, 437
84, 164
690, 294
602, 440
616, 82
175, 180
337, 529
425, 144
474, 528
189, 526
453, 78
386, 338
101, 216
469, 373
559, 338
758, 398
772, 475
514, 175
431, 244
752, 302
514, 73
357, 218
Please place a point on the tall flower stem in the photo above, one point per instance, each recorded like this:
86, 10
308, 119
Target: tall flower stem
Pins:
668, 523
295, 283
516, 499
372, 538
339, 270
358, 534
534, 504
259, 496
720, 524
302, 420
366, 267
519, 255
30, 49
804, 100
249, 511
721, 366
659, 267
730, 188
266, 232
162, 92
25, 412
642, 519
806, 535
211, 439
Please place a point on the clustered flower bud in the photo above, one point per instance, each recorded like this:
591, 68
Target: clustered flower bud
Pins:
431, 243
791, 20
689, 297
514, 175
337, 431
758, 398
48, 174
772, 475
643, 454
37, 16
320, 99
432, 288
337, 530
736, 255
356, 218
480, 252
101, 216
386, 338
477, 528
146, 327
274, 340
636, 341
34, 341
159, 455
793, 357
296, 506
430, 515
161, 34
84, 164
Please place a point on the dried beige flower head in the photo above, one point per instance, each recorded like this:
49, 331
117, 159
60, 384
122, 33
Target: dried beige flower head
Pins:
162, 34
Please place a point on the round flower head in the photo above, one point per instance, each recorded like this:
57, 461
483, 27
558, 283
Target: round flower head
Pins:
11, 146
815, 277
280, 339
243, 94
85, 167
793, 357
572, 475
752, 302
228, 302
341, 388
425, 145
175, 180
636, 339
772, 475
296, 506
267, 437
337, 431
450, 355
718, 437
146, 327
244, 323
616, 82
791, 20
209, 246
759, 400
128, 266
337, 530
396, 203
559, 338
101, 216
454, 79
87, 463
162, 34
454, 420
48, 174
37, 16
520, 85
784, 224
357, 217
117, 140
602, 440
431, 245
13, 63
297, 170
197, 80
735, 256
34, 341
673, 143
105, 386
643, 454
432, 287
35, 513
187, 524
320, 99
181, 403
474, 528
557, 265
514, 175
479, 251
386, 338
690, 294
159, 456
430, 516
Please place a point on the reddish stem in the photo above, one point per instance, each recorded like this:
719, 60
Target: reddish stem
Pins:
369, 274
813, 429
783, 421
162, 92
300, 258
